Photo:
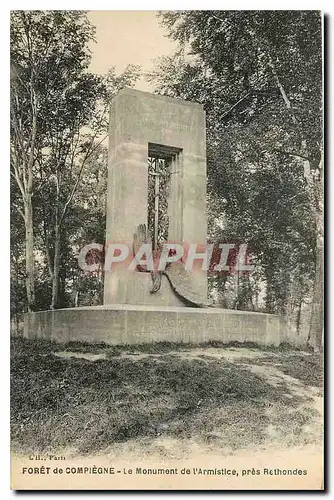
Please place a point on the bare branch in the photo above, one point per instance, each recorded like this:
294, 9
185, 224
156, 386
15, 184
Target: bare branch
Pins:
291, 153
88, 154
236, 104
16, 176
21, 213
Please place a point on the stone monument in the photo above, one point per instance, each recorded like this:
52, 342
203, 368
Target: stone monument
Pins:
156, 193
148, 130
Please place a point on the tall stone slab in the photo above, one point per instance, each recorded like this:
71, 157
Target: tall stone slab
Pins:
140, 122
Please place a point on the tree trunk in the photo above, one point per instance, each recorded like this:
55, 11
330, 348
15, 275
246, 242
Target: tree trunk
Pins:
29, 243
237, 291
299, 313
55, 276
61, 290
269, 299
317, 314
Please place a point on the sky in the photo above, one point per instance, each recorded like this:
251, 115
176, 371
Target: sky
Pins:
127, 37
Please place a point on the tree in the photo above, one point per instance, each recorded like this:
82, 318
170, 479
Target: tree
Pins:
85, 223
48, 54
68, 158
18, 296
58, 120
259, 76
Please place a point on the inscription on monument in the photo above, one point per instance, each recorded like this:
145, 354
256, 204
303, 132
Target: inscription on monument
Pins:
163, 123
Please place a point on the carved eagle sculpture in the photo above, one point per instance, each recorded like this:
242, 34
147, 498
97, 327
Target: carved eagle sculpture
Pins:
181, 280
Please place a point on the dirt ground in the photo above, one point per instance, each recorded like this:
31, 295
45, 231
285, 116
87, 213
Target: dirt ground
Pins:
168, 402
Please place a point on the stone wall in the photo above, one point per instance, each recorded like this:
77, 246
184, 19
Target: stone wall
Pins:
123, 324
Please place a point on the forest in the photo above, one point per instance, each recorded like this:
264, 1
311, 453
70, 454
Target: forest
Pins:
258, 75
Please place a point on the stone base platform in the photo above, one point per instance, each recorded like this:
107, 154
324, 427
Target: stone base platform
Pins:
125, 324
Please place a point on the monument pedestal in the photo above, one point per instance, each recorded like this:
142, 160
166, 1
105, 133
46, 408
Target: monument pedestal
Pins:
126, 324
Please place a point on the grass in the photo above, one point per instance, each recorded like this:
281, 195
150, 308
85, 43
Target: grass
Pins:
154, 348
307, 369
59, 403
